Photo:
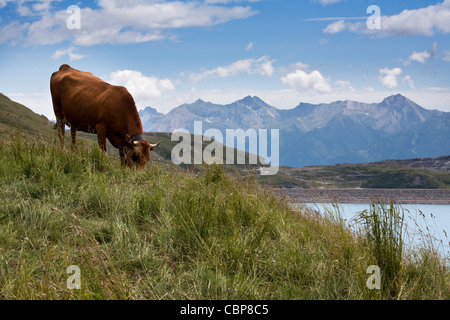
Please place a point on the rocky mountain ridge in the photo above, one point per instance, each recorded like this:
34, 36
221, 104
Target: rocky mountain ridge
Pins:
327, 133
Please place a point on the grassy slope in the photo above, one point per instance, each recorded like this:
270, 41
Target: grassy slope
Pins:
166, 233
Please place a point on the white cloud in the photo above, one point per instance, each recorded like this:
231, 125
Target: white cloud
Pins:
301, 81
446, 56
335, 27
69, 51
409, 81
420, 56
120, 22
262, 66
300, 66
423, 21
13, 32
249, 46
143, 89
388, 77
345, 84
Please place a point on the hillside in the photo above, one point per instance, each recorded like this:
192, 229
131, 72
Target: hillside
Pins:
435, 164
168, 233
432, 173
323, 134
16, 115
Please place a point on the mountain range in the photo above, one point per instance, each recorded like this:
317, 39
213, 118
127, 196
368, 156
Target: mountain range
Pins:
327, 133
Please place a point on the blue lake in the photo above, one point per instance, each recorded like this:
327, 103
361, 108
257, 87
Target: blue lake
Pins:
420, 219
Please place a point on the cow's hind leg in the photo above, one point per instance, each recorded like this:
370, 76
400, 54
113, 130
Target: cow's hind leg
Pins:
60, 121
60, 128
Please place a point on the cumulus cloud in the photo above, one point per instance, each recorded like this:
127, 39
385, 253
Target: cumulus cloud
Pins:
120, 22
262, 66
446, 56
345, 85
388, 77
335, 27
423, 21
301, 81
142, 88
422, 56
409, 81
70, 52
300, 66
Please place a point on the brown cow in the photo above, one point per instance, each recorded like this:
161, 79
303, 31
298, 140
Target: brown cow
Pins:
86, 103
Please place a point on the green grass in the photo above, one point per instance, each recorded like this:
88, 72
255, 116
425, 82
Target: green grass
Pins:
170, 233
384, 228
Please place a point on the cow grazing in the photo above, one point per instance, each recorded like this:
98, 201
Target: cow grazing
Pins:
86, 103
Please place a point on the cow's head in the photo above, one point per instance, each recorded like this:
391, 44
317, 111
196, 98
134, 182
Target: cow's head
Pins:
138, 153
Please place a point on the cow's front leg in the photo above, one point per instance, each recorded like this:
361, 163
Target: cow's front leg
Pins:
101, 136
123, 162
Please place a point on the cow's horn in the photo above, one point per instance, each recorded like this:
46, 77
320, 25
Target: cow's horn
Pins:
154, 145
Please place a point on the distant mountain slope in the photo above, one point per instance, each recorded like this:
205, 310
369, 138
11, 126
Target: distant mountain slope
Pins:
246, 113
342, 131
149, 116
434, 164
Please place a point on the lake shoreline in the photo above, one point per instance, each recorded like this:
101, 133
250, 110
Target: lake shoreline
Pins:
355, 195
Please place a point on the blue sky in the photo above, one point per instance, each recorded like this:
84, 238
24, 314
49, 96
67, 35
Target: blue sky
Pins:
284, 51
